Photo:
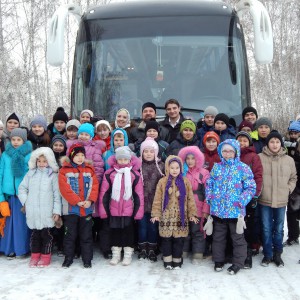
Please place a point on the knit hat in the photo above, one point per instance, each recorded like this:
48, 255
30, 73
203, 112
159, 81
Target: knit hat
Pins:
13, 116
245, 124
60, 115
249, 109
19, 132
211, 135
274, 134
149, 143
87, 128
39, 120
263, 121
104, 122
123, 152
227, 147
87, 111
188, 124
152, 124
73, 122
211, 110
294, 126
222, 117
118, 131
149, 104
75, 149
59, 138
246, 134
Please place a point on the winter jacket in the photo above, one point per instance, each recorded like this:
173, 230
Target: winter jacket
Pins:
106, 141
151, 176
109, 153
231, 185
228, 133
202, 131
197, 177
39, 141
259, 144
93, 152
133, 207
169, 219
77, 183
52, 131
180, 143
39, 192
173, 131
251, 159
9, 183
294, 152
211, 157
279, 178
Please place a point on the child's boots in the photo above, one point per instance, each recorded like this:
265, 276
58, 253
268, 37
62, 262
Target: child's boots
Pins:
128, 251
116, 255
151, 252
168, 262
34, 259
44, 260
143, 251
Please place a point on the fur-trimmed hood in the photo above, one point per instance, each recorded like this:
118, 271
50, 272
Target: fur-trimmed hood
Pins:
48, 153
167, 164
184, 152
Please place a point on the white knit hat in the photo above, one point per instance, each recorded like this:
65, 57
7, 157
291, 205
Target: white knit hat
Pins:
123, 152
104, 122
73, 122
87, 111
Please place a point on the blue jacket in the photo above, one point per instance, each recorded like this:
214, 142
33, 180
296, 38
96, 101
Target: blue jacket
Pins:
231, 185
228, 133
202, 131
9, 184
107, 154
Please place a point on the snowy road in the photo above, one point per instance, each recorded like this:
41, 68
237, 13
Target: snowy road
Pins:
143, 280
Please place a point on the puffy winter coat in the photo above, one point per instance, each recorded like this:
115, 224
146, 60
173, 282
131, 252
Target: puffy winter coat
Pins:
202, 131
231, 185
39, 191
39, 141
180, 143
259, 144
133, 207
279, 178
228, 133
93, 152
106, 141
77, 184
211, 157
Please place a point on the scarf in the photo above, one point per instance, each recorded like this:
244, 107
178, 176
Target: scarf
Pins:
116, 189
17, 155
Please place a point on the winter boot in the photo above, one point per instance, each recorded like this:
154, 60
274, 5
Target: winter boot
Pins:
248, 261
44, 261
265, 262
232, 270
168, 262
197, 258
128, 251
67, 262
34, 259
152, 252
177, 263
143, 251
219, 266
116, 255
185, 254
278, 260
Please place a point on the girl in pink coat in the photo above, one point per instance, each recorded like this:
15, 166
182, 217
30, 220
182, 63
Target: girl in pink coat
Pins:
121, 200
193, 160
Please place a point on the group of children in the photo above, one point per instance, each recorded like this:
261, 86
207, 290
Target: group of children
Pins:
164, 197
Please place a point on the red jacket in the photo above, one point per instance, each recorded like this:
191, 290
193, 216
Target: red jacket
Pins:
211, 157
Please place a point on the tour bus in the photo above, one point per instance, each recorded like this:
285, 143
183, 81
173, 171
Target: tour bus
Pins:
128, 53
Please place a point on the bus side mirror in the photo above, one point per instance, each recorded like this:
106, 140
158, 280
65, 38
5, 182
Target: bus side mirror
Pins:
262, 28
56, 29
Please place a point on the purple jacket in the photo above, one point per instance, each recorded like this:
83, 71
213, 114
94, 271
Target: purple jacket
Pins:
133, 207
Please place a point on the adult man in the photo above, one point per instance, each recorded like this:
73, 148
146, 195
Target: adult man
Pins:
173, 119
148, 113
250, 114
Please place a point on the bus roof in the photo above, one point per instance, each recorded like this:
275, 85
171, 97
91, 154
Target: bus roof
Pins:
157, 9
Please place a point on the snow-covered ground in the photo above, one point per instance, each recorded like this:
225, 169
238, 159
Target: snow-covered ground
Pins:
145, 280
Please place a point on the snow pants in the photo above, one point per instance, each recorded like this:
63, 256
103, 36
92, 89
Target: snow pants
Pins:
41, 241
172, 247
195, 241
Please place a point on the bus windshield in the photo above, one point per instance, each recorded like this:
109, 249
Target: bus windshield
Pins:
199, 61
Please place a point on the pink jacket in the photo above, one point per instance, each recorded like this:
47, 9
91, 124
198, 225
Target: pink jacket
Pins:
197, 176
133, 207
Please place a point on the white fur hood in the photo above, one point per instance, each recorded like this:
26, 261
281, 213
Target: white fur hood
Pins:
48, 153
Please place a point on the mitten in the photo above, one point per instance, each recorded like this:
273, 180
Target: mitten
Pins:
208, 227
240, 225
4, 212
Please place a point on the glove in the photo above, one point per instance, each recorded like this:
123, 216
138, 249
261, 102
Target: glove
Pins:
240, 225
208, 227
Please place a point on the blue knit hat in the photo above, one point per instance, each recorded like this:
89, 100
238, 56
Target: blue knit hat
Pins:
87, 128
294, 126
39, 120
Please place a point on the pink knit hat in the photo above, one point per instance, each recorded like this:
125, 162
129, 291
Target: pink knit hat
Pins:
149, 143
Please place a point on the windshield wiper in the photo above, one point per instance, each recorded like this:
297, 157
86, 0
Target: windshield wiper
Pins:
231, 59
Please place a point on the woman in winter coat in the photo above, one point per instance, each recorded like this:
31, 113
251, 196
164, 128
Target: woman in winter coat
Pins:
39, 194
13, 121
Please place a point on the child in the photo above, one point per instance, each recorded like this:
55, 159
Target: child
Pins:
246, 126
1, 138
59, 147
58, 126
72, 129
13, 168
119, 138
38, 135
151, 171
210, 142
250, 158
86, 116
39, 194
223, 128
103, 131
194, 159
122, 200
279, 180
229, 189
173, 207
263, 126
78, 186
